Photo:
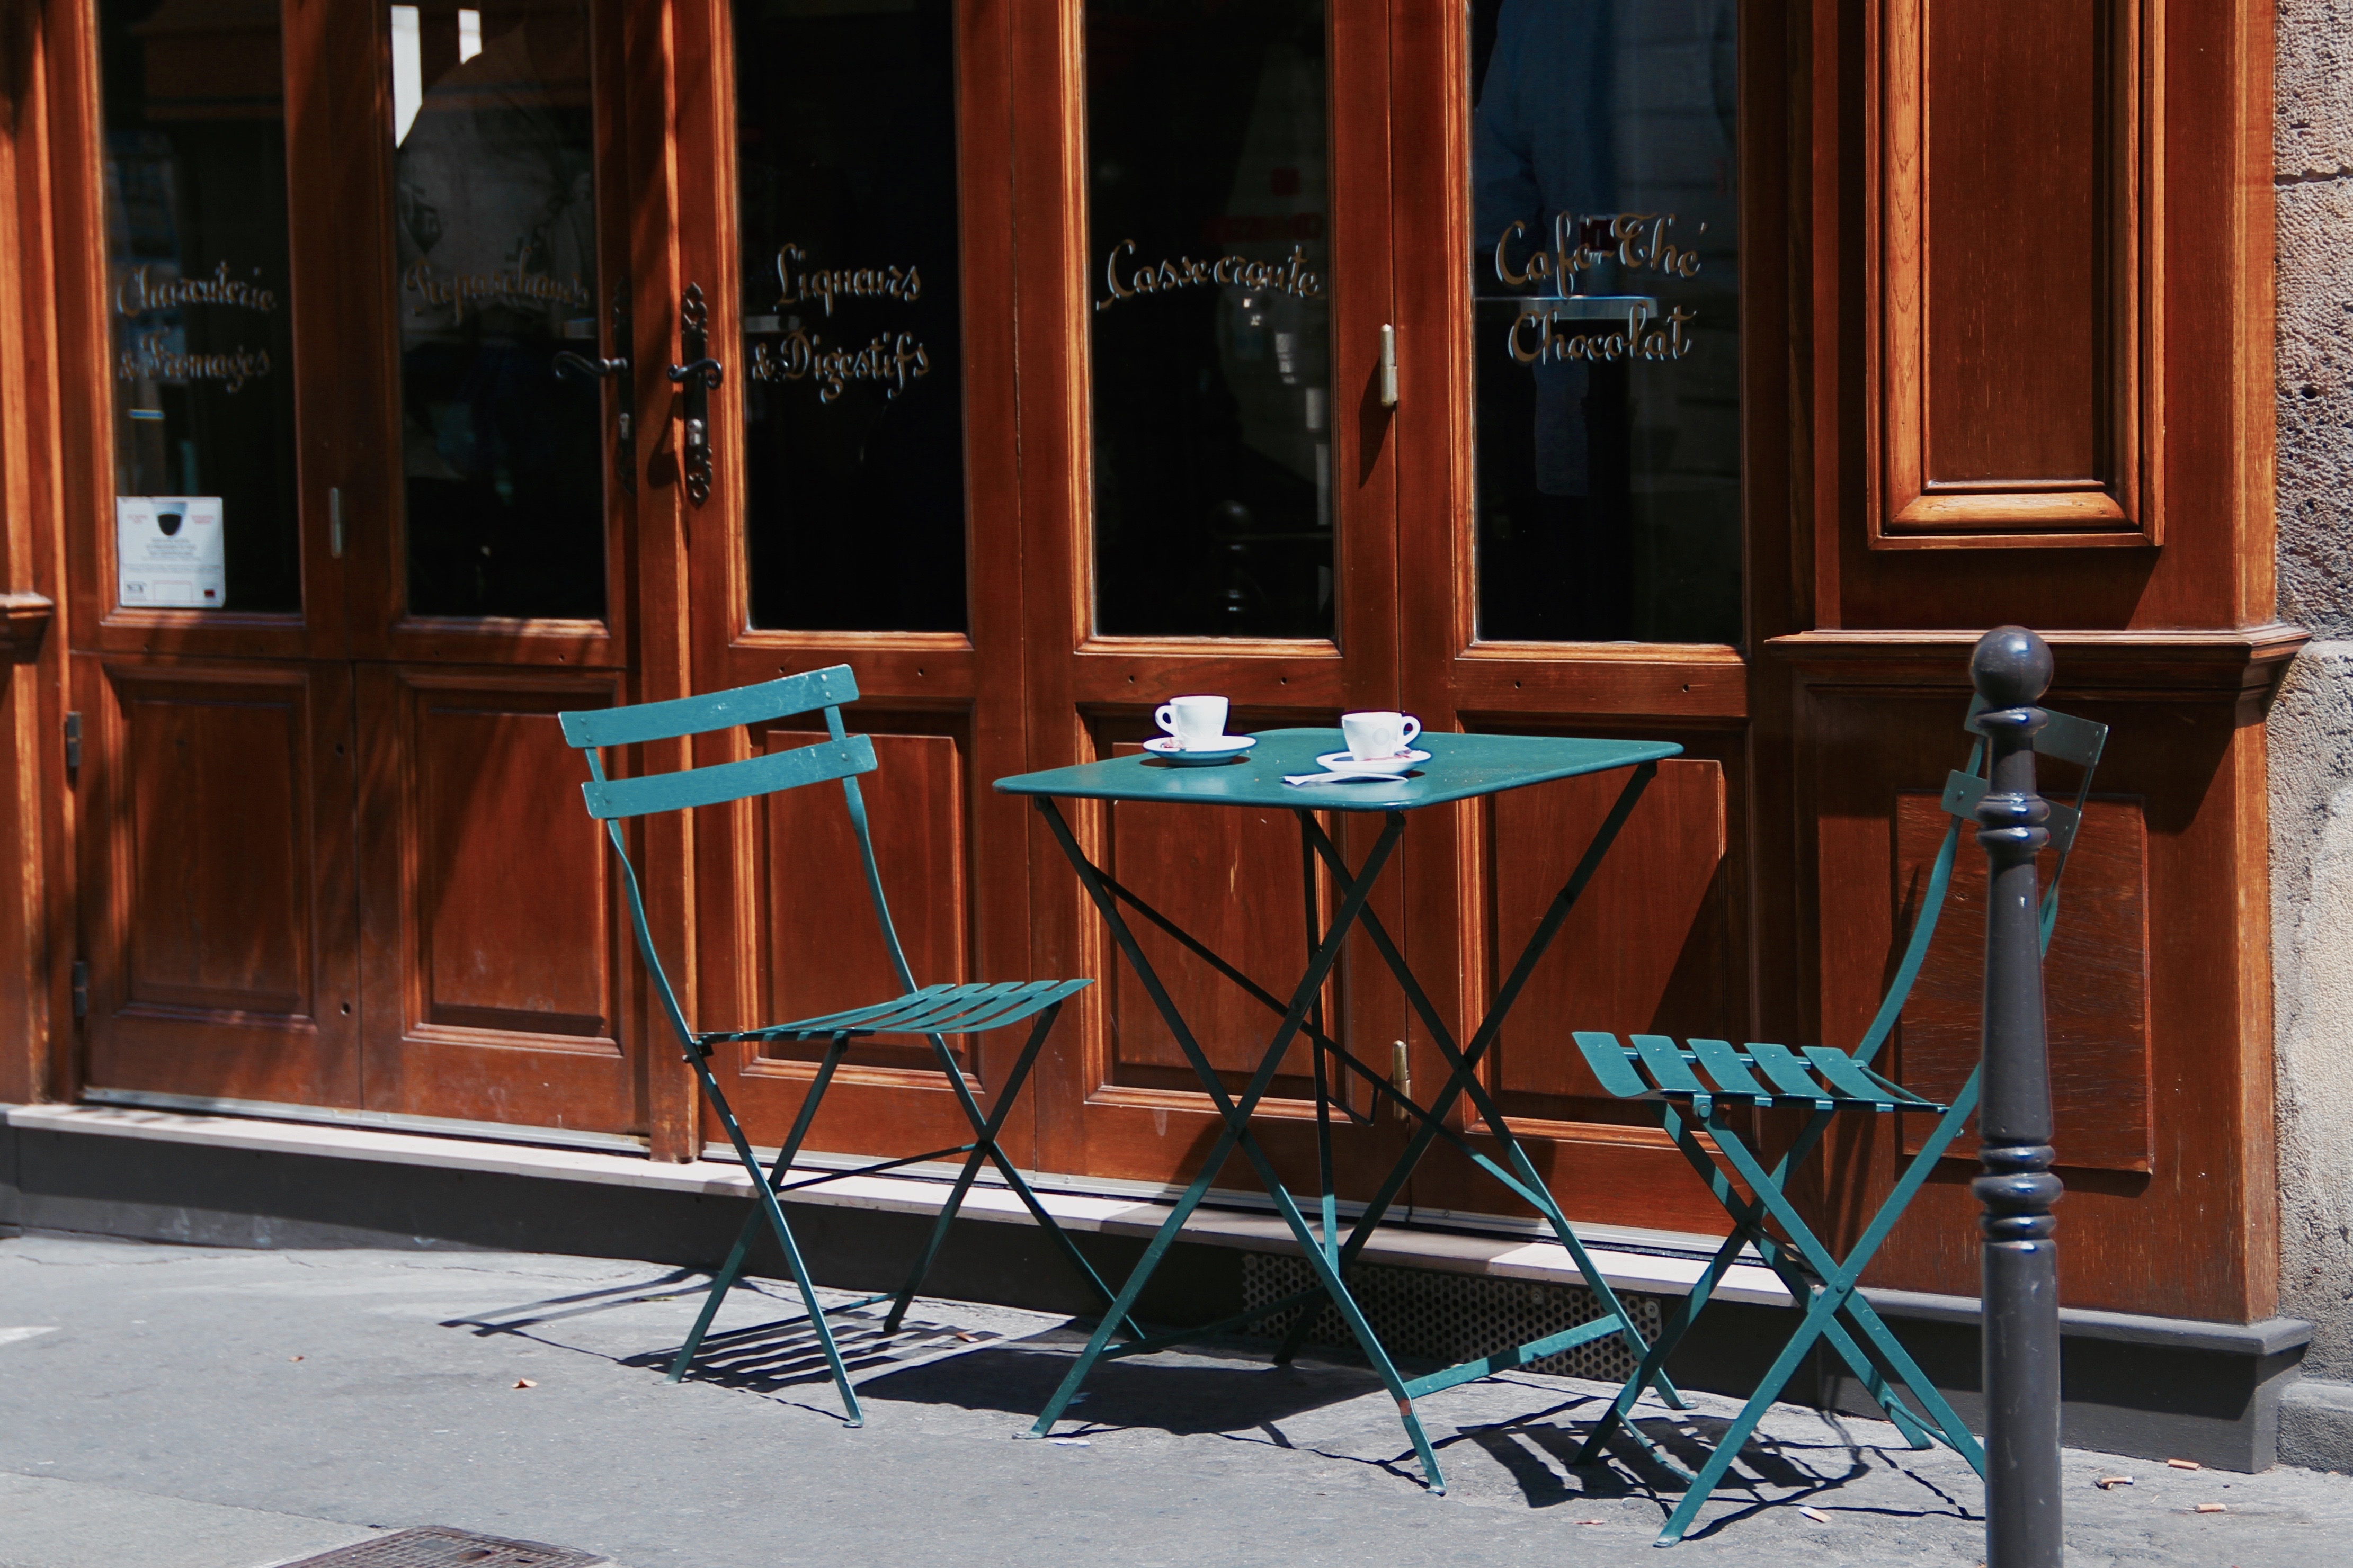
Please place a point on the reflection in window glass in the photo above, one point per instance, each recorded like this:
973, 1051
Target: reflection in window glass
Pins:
1605, 265
197, 294
1209, 279
853, 383
495, 224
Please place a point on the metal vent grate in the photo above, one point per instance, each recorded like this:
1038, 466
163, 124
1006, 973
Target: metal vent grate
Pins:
438, 1546
1427, 1315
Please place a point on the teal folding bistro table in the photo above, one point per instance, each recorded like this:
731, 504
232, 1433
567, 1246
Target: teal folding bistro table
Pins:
1461, 767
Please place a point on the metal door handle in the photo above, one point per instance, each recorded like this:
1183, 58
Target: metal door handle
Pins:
700, 375
625, 391
583, 365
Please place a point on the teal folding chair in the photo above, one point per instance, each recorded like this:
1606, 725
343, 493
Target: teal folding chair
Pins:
932, 1012
1697, 1084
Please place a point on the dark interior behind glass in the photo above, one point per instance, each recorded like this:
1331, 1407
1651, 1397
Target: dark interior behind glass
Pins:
495, 228
198, 290
851, 366
1208, 283
1606, 332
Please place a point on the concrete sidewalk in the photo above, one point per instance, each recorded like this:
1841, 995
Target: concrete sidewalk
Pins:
189, 1409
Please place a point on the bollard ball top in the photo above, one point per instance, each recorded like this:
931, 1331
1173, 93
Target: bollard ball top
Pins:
2012, 667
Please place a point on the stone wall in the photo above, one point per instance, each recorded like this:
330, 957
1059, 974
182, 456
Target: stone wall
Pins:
2311, 723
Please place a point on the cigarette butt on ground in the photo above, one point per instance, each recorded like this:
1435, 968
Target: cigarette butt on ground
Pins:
2214, 1508
524, 1383
1816, 1515
2106, 1482
2185, 1464
1592, 1521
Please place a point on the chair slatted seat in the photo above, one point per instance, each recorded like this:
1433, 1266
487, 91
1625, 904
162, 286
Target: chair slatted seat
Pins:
929, 1011
1699, 1084
1653, 1067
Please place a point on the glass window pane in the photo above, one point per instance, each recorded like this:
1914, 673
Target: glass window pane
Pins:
202, 316
494, 218
1208, 216
853, 396
1605, 267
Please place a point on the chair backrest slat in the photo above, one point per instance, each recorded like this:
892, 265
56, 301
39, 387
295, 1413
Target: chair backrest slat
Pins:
729, 781
840, 757
827, 687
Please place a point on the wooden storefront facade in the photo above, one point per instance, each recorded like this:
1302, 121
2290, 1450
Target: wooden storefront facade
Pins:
1989, 340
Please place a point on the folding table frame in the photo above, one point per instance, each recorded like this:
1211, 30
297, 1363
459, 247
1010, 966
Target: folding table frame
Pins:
1463, 767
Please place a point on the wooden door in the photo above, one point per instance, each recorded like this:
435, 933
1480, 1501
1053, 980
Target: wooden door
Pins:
1547, 533
1209, 475
1589, 539
330, 854
490, 506
844, 209
197, 223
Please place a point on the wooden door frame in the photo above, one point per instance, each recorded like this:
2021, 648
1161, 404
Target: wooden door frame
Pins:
317, 116
103, 650
970, 679
383, 628
38, 909
1087, 1125
1455, 681
415, 1065
337, 96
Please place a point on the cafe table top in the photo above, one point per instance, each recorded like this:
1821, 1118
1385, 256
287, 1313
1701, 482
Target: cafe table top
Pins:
1461, 767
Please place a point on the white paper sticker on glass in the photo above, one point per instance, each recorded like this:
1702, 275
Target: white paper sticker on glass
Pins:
168, 552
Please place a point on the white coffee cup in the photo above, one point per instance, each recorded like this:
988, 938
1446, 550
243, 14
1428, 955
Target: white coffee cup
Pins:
1376, 737
1196, 721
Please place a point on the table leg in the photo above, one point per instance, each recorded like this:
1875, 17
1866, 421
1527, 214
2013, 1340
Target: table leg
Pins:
1236, 1115
1462, 1078
1331, 1216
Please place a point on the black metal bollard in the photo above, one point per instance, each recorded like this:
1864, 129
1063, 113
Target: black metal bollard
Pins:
2011, 668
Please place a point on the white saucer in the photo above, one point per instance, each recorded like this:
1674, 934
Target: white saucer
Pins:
1224, 749
1346, 762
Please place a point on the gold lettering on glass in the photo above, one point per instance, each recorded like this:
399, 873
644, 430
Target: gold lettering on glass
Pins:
1546, 333
1566, 325
892, 361
152, 358
508, 286
1293, 277
141, 291
820, 286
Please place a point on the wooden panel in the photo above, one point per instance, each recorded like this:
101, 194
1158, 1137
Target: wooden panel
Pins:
218, 878
2187, 764
2013, 391
825, 948
499, 971
1117, 1105
1232, 879
2012, 271
218, 844
503, 950
2096, 987
1648, 947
